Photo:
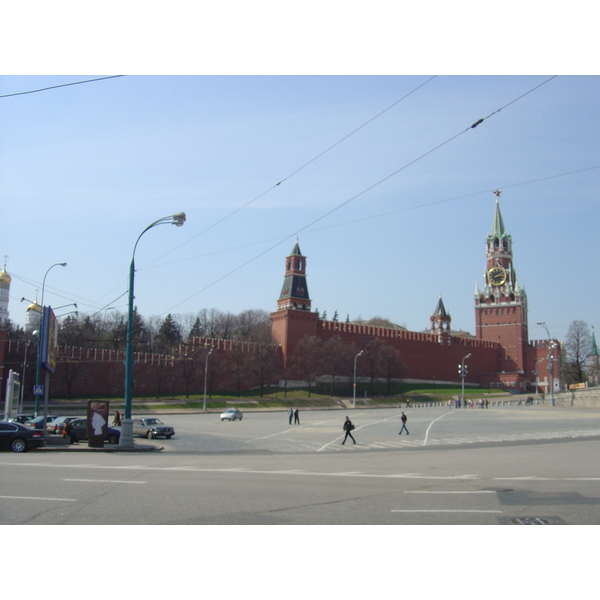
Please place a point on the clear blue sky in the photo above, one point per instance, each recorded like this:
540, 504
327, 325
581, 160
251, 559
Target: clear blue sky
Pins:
86, 168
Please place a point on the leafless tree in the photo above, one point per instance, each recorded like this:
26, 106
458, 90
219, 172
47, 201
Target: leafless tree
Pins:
337, 359
307, 360
392, 365
578, 345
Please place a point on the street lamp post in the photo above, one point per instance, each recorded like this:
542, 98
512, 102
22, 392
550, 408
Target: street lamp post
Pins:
206, 378
126, 439
551, 347
462, 370
354, 381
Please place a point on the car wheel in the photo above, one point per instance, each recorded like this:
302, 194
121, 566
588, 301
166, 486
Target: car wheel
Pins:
113, 438
18, 445
241, 418
168, 437
150, 435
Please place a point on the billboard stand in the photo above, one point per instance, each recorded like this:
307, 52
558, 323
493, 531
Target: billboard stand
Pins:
97, 423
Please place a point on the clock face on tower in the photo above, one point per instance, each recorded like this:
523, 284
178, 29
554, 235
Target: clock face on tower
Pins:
497, 275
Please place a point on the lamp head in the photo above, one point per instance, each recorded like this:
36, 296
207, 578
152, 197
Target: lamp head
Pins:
179, 219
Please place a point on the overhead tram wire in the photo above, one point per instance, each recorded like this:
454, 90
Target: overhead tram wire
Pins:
291, 174
377, 216
371, 187
54, 87
297, 170
342, 224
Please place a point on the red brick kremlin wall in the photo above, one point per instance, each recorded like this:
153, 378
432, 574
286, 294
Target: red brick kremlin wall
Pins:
422, 355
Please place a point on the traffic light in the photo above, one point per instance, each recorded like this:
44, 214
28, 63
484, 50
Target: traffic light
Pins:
462, 370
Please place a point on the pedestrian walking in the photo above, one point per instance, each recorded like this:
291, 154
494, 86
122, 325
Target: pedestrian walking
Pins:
403, 418
296, 417
348, 427
290, 414
117, 419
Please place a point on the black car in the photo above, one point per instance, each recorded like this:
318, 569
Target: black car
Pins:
21, 418
79, 432
18, 438
38, 422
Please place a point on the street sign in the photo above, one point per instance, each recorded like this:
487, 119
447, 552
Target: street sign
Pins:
38, 390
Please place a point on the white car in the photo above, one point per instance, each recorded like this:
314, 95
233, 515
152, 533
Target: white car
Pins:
231, 414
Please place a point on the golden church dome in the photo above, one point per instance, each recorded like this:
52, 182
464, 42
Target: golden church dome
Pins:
35, 306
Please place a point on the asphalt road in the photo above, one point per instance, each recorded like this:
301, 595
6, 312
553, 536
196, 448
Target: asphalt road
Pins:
525, 465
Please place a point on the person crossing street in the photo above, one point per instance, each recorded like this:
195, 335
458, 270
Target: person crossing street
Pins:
403, 418
348, 427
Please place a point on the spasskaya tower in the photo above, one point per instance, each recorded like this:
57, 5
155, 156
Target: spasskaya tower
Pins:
501, 307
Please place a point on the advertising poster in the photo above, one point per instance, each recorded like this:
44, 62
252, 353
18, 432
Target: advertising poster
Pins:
48, 338
97, 423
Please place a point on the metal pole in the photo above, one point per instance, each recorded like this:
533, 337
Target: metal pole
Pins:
550, 361
126, 439
23, 378
354, 381
206, 378
463, 374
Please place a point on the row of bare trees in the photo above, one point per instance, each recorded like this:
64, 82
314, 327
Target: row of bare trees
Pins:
334, 361
108, 330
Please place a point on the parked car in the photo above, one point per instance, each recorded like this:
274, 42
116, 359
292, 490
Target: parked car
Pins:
152, 427
21, 418
18, 438
57, 425
38, 422
231, 414
113, 434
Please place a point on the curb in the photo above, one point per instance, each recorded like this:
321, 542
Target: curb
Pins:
67, 448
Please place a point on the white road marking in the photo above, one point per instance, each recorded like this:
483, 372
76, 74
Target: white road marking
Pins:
446, 511
39, 498
450, 492
104, 480
245, 470
430, 426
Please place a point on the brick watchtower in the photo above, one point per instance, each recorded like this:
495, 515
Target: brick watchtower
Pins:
501, 307
293, 319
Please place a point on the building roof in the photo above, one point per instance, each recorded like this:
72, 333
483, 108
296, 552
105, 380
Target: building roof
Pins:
498, 229
440, 309
296, 249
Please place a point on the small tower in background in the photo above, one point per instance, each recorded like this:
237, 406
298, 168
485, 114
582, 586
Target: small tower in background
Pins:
5, 280
33, 317
440, 322
294, 292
